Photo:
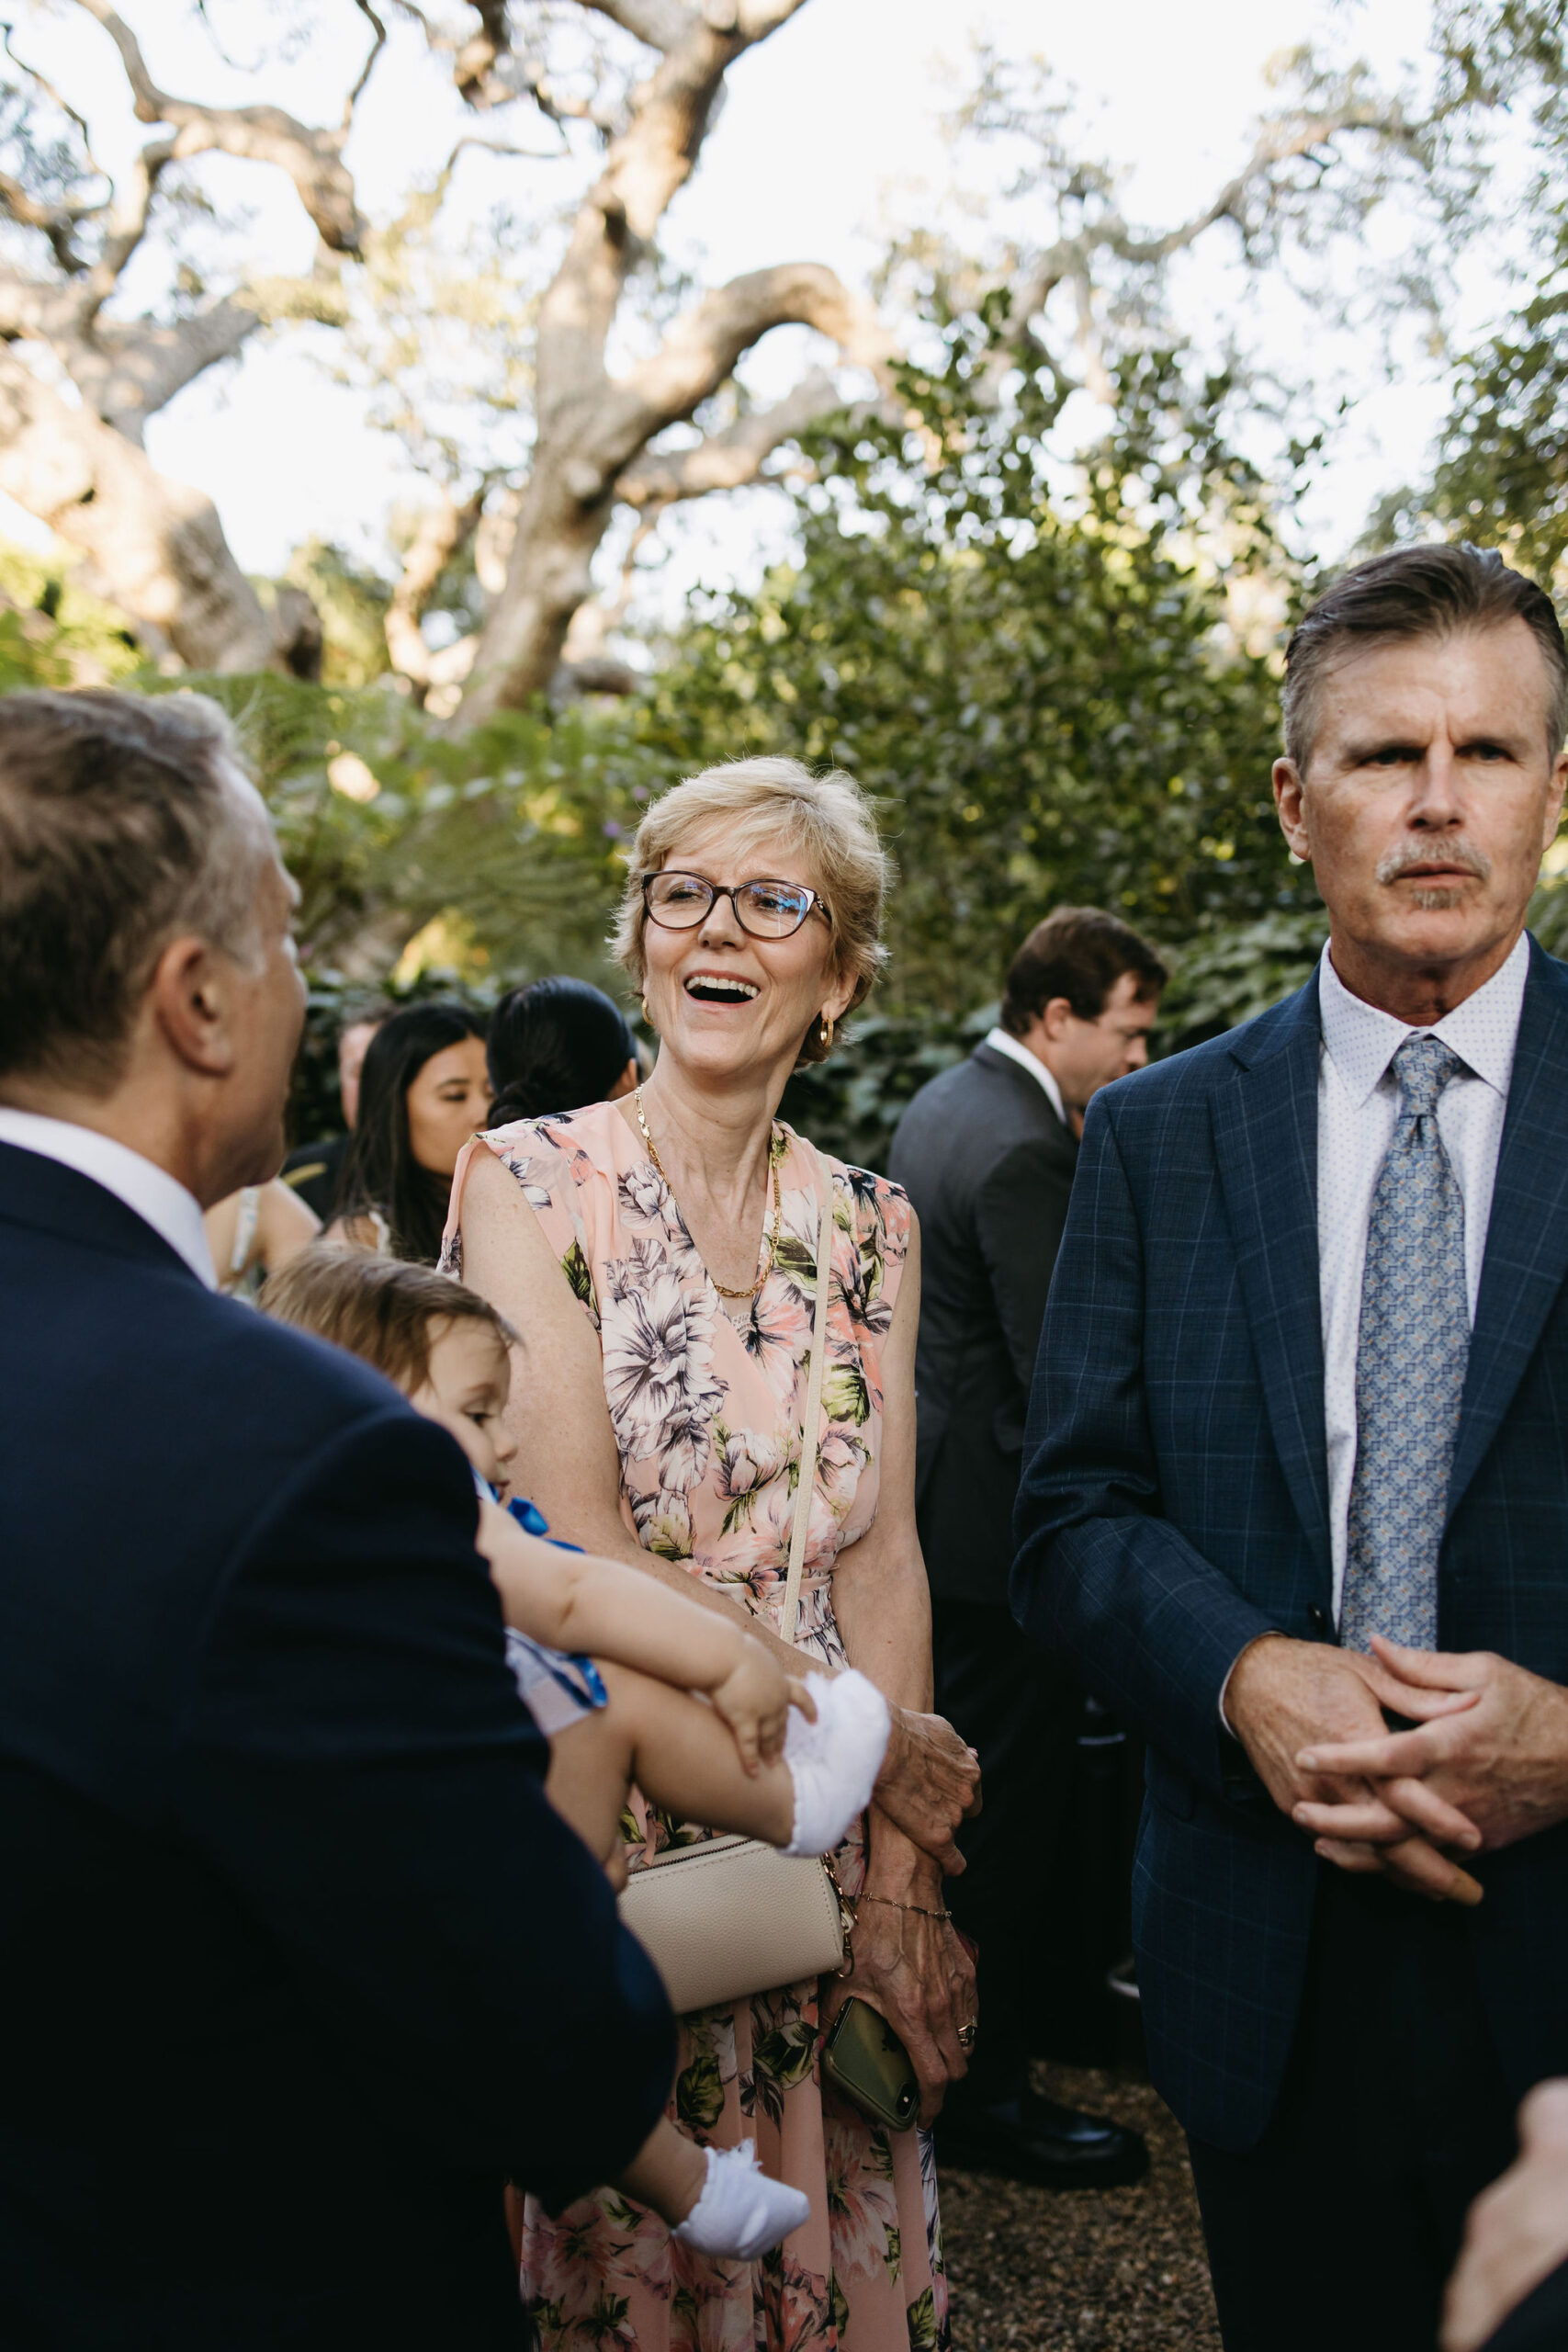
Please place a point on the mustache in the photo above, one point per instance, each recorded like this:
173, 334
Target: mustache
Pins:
1457, 852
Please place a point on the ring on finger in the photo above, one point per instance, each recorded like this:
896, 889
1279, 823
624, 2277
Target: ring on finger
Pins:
966, 2034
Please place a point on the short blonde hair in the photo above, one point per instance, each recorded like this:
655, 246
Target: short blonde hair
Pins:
826, 819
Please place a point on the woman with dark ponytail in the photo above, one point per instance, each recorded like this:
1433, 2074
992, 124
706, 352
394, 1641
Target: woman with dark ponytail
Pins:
422, 1094
555, 1046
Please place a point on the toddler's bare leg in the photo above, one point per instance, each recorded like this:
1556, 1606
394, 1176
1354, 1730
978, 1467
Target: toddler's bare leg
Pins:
591, 1770
682, 1757
667, 2173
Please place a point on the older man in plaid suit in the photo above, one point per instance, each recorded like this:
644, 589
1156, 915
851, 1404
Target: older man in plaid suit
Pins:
1296, 1496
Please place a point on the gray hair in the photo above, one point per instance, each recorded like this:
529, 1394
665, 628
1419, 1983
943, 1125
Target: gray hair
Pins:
1436, 591
826, 819
118, 832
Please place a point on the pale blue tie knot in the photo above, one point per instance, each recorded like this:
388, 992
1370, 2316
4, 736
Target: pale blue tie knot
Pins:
1423, 1066
1411, 1359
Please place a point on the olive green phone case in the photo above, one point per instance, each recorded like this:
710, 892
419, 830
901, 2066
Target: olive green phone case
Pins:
864, 2058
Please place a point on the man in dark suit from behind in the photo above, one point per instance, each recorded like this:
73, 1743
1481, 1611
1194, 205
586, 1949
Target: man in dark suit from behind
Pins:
297, 1963
987, 1152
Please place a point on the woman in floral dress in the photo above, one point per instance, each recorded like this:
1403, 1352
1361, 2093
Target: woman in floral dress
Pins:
659, 1258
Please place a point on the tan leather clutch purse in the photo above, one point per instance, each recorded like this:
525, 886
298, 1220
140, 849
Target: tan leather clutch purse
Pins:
732, 1916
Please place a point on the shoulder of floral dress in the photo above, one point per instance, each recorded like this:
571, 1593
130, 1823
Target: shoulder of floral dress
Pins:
882, 1208
559, 1146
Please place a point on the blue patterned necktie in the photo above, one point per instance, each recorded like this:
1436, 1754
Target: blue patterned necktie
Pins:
1410, 1365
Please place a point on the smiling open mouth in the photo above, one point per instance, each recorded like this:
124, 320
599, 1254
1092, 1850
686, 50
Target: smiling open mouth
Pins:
717, 988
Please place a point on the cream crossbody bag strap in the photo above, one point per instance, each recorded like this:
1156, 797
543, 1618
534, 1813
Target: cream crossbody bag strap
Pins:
730, 1918
810, 1436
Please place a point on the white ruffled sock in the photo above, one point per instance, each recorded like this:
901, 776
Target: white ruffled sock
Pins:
834, 1761
741, 2213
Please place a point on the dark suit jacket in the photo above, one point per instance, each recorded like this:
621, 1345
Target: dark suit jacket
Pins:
296, 1960
314, 1171
989, 1168
1176, 1504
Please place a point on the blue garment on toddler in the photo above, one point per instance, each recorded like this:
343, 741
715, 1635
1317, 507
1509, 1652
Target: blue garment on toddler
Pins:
557, 1687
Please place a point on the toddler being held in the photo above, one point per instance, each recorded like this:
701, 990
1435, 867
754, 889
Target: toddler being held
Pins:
631, 1682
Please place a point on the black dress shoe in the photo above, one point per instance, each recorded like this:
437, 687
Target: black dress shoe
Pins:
1033, 2138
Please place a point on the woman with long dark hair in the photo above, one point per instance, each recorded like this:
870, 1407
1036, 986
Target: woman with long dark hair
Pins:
555, 1046
423, 1091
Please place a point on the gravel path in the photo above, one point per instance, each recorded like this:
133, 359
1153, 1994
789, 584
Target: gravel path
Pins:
1043, 2270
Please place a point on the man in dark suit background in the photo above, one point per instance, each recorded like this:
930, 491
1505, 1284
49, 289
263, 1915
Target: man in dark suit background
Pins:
1295, 1456
987, 1152
297, 1963
314, 1170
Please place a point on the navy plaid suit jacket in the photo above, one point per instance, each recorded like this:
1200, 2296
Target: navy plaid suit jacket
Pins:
1175, 1504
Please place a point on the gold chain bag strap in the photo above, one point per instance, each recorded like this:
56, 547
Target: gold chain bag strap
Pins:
734, 1917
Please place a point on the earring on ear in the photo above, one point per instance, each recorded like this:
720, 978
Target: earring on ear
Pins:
646, 1014
825, 1029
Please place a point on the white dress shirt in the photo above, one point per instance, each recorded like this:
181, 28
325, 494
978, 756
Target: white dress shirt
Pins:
1000, 1042
155, 1197
1358, 1109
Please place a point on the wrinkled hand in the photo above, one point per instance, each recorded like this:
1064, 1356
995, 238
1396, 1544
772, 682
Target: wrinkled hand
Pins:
916, 1971
754, 1700
1517, 2230
1496, 1755
928, 1782
1286, 1697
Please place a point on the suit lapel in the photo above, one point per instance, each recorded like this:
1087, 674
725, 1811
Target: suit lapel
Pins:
1265, 1126
1527, 1236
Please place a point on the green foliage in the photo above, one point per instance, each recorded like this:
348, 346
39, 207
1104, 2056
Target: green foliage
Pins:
851, 1102
1549, 917
352, 602
1036, 678
53, 633
512, 831
1501, 475
1502, 472
1230, 976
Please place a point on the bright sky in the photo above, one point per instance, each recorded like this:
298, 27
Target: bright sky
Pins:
830, 129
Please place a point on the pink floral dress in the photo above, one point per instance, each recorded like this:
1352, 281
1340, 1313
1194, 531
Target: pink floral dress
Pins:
707, 1413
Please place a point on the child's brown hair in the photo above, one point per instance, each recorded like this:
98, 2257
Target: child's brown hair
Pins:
380, 1308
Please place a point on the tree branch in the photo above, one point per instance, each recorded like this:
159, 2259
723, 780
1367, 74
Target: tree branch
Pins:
376, 46
54, 98
127, 373
125, 226
313, 159
725, 460
1070, 257
663, 25
59, 222
157, 546
443, 531
700, 351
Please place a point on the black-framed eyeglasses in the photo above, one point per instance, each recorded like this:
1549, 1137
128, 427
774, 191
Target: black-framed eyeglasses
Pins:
765, 909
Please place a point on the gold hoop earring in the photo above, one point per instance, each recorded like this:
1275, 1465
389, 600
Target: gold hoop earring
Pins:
646, 1014
825, 1031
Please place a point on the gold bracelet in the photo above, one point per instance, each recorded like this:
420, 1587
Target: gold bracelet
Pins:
921, 1910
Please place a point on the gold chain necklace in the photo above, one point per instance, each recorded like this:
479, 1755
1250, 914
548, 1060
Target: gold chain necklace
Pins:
769, 1240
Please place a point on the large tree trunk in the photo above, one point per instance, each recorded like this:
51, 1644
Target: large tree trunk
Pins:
156, 546
551, 575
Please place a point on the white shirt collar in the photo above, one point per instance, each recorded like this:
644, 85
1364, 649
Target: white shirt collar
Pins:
1000, 1042
155, 1197
1361, 1041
